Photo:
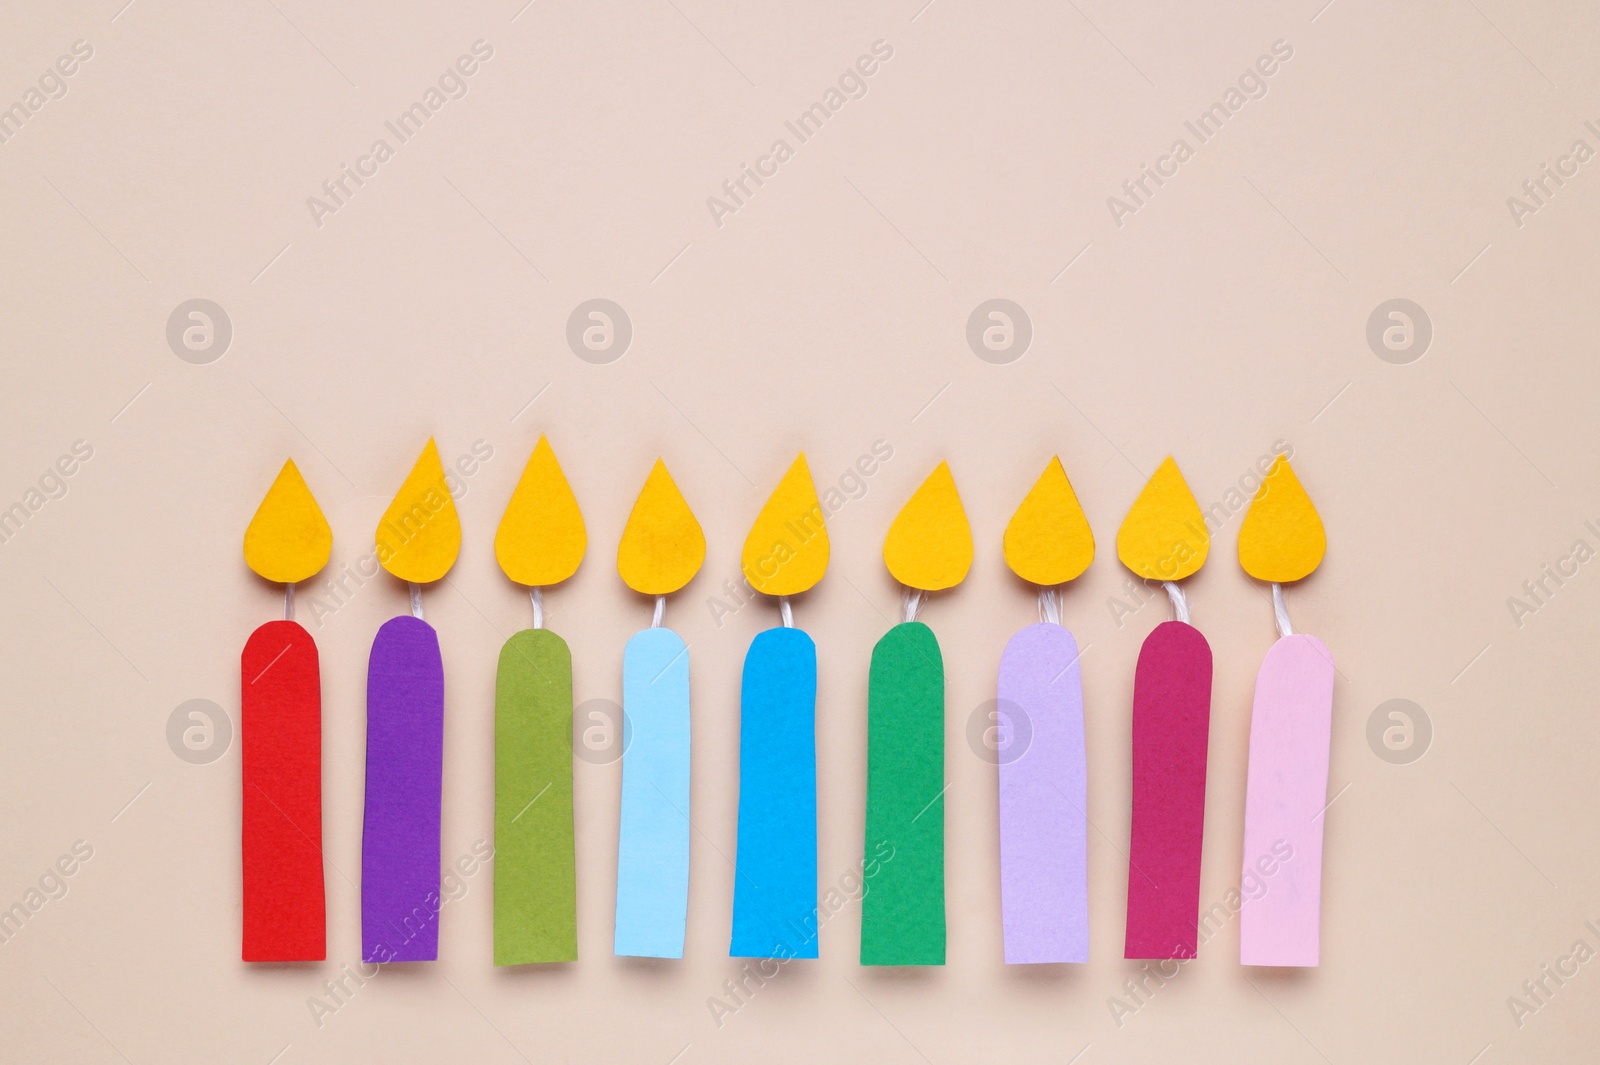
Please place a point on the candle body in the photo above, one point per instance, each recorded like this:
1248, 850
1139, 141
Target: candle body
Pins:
653, 839
902, 913
535, 882
280, 727
400, 898
775, 881
1171, 725
1044, 885
1285, 797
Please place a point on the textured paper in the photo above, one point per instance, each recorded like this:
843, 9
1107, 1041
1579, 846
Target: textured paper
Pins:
653, 841
288, 540
929, 545
1285, 801
902, 914
662, 545
1171, 725
775, 881
535, 882
419, 536
1164, 536
787, 549
541, 538
280, 728
400, 898
1281, 538
1048, 540
1044, 885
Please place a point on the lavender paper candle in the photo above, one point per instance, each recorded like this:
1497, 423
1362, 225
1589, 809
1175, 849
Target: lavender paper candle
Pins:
1044, 883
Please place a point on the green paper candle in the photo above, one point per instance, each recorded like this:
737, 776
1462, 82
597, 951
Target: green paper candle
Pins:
928, 549
540, 542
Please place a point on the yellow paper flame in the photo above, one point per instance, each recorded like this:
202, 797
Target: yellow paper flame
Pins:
1282, 538
662, 545
1048, 540
787, 549
288, 540
929, 546
541, 538
1164, 536
420, 534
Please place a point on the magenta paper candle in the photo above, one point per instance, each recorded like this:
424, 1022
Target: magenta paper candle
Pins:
1164, 539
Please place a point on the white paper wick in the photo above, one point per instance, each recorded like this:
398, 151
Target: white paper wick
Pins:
288, 601
536, 595
1280, 611
661, 610
416, 599
911, 601
1049, 605
784, 611
1180, 604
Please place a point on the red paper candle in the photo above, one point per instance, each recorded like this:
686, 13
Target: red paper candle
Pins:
288, 540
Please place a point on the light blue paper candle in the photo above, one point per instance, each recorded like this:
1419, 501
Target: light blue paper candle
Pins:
661, 550
653, 845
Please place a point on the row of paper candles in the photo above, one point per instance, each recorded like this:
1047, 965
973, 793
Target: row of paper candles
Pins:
1042, 792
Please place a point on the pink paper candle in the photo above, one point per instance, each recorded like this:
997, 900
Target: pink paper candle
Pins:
1281, 540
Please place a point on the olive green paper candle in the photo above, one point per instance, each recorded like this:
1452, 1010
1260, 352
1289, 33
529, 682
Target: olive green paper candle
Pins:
535, 897
540, 542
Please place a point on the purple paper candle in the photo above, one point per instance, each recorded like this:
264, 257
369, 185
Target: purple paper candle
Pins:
400, 898
417, 541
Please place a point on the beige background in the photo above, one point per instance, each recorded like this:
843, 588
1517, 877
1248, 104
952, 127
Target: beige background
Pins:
1228, 313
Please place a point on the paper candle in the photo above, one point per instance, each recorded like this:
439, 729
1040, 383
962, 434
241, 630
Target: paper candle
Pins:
929, 548
1164, 539
1044, 881
280, 726
775, 882
1282, 540
540, 542
417, 541
661, 550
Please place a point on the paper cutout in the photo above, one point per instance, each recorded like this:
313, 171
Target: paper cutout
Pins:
787, 549
653, 841
288, 540
929, 545
1282, 538
541, 539
280, 729
662, 545
775, 881
1048, 540
535, 882
1164, 536
1286, 795
1171, 727
902, 915
420, 534
400, 898
1044, 884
